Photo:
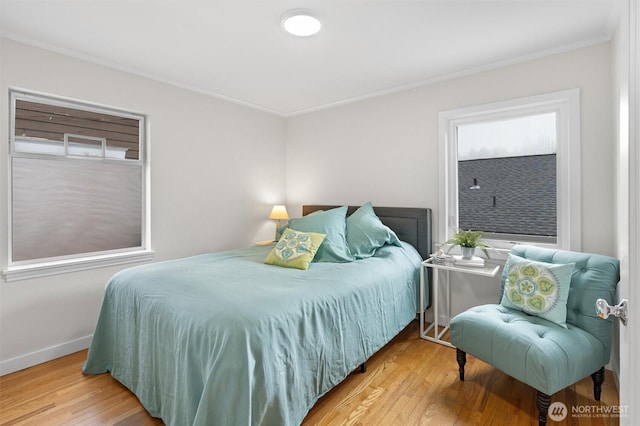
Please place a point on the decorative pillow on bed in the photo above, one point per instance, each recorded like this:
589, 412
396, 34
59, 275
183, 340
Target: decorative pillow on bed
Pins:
537, 288
295, 249
331, 223
366, 233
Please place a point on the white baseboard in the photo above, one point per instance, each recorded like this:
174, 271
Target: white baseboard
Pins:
615, 369
43, 355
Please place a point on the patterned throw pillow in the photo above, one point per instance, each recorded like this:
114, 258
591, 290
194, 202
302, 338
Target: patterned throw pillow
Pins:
295, 249
537, 288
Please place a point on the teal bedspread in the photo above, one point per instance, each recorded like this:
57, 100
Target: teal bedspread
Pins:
223, 339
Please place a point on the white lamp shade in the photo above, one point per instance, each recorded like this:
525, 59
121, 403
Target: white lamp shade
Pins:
279, 212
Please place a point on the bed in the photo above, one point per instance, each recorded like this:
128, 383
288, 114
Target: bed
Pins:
225, 339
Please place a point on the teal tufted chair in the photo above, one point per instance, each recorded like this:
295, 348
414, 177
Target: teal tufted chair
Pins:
538, 352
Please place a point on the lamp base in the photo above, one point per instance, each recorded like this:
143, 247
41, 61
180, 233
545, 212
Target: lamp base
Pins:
278, 225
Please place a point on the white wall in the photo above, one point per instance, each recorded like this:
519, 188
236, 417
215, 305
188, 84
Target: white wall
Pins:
218, 167
216, 170
386, 149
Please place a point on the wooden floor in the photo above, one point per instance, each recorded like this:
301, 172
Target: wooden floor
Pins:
408, 382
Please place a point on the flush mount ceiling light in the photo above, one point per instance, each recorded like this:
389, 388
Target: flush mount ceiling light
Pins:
300, 22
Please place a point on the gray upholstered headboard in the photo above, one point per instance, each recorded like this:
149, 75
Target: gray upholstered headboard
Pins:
410, 224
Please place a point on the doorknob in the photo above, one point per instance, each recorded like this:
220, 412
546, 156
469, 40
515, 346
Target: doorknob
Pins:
603, 309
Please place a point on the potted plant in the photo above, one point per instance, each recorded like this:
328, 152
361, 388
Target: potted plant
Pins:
468, 241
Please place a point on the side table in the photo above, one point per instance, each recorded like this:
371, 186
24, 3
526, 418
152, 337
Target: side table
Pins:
488, 270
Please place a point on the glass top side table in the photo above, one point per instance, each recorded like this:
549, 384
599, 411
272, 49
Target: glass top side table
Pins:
488, 270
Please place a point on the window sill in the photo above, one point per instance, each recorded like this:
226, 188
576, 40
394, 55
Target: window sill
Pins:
23, 272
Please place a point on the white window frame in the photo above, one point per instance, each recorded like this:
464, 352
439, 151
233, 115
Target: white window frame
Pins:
566, 104
19, 270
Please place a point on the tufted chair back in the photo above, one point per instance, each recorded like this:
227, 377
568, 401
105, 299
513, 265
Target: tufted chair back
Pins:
594, 276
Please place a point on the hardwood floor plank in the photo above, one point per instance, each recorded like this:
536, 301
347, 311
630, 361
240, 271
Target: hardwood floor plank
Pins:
28, 415
408, 382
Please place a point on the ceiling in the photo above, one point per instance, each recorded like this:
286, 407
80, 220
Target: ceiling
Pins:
236, 50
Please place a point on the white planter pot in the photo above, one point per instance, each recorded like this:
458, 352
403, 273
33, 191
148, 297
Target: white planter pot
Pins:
468, 252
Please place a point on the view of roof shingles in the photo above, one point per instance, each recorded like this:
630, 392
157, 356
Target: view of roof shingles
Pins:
516, 195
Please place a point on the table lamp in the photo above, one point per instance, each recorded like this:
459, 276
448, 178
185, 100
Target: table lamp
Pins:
278, 212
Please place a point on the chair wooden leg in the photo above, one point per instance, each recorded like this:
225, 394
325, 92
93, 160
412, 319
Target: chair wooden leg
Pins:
542, 402
461, 357
598, 380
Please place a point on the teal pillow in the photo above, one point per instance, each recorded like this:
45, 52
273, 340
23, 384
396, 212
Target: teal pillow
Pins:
280, 231
295, 249
331, 223
366, 233
537, 288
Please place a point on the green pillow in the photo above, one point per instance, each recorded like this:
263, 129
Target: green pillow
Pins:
295, 249
331, 223
366, 233
537, 288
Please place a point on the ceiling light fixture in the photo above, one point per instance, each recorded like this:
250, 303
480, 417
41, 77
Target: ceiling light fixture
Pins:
301, 22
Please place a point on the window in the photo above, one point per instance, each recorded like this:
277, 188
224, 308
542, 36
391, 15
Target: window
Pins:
508, 170
77, 185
